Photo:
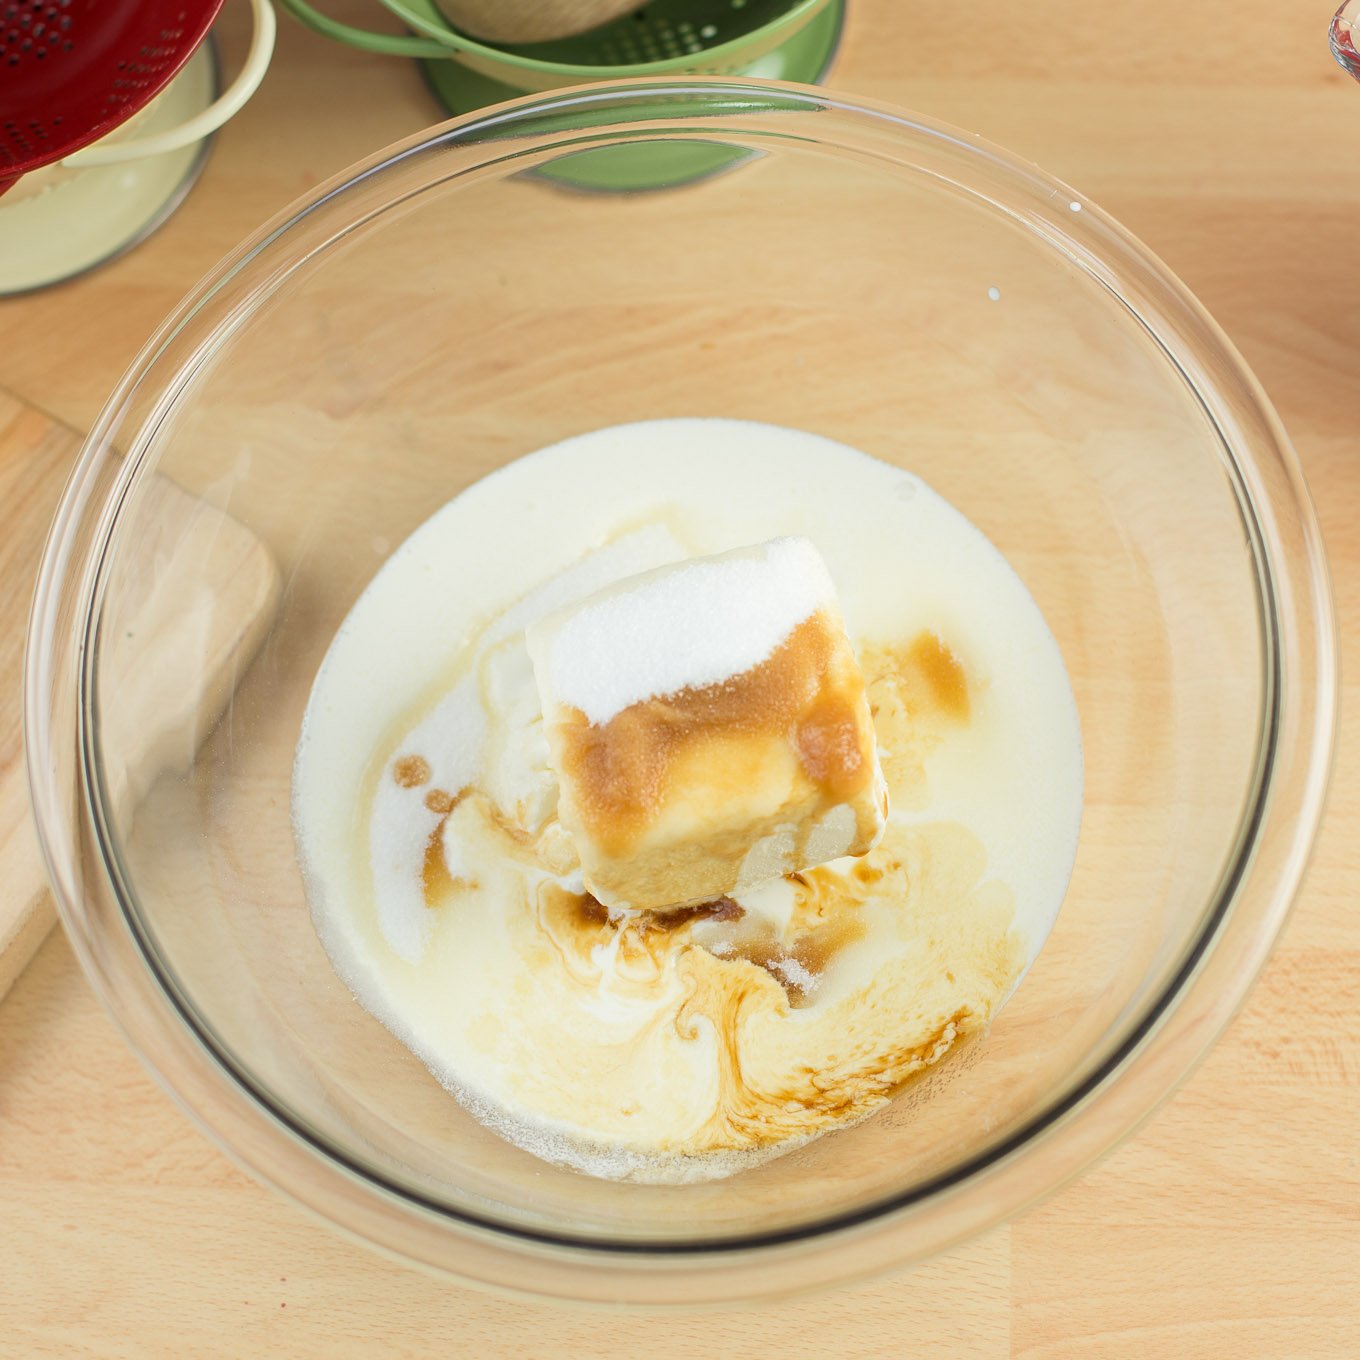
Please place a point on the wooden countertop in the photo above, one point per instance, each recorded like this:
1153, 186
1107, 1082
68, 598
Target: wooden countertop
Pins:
1230, 1224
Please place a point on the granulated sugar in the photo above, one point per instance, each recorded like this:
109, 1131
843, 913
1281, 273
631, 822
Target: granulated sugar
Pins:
797, 974
679, 627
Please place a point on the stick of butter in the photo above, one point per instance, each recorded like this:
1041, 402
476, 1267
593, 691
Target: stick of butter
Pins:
709, 727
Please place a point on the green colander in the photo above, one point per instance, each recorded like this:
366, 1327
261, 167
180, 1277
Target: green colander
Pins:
792, 40
664, 38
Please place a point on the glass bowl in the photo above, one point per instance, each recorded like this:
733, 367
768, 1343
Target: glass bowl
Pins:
863, 274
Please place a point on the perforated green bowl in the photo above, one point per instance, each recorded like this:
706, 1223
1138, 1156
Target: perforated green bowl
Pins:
803, 58
666, 37
790, 40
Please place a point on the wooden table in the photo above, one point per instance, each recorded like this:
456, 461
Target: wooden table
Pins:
1230, 1225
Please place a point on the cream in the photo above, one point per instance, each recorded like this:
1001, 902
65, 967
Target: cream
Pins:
659, 1048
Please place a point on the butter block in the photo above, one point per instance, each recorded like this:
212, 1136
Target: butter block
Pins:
708, 725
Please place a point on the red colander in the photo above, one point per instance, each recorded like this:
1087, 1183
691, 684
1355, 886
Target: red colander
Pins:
73, 70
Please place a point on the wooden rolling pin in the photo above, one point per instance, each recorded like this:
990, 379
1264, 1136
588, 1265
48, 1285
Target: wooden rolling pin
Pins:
174, 712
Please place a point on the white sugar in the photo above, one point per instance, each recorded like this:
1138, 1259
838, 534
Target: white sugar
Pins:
797, 974
450, 741
679, 627
643, 549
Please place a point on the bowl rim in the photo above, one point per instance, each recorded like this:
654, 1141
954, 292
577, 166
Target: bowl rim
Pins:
1285, 805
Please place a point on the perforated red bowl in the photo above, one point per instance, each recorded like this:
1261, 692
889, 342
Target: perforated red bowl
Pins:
73, 70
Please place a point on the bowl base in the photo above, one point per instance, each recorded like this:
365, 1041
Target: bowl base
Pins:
86, 218
806, 58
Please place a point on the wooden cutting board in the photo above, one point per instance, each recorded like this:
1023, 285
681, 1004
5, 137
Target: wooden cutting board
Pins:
175, 709
36, 455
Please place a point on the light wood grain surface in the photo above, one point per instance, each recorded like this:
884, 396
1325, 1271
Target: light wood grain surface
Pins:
171, 711
1230, 1224
37, 455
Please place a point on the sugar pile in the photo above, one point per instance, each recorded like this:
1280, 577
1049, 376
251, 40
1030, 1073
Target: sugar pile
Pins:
679, 627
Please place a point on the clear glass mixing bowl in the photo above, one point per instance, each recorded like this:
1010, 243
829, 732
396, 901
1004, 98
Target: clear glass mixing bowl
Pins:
863, 274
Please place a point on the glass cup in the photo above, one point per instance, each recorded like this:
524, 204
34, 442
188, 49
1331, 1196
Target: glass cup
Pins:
1344, 37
